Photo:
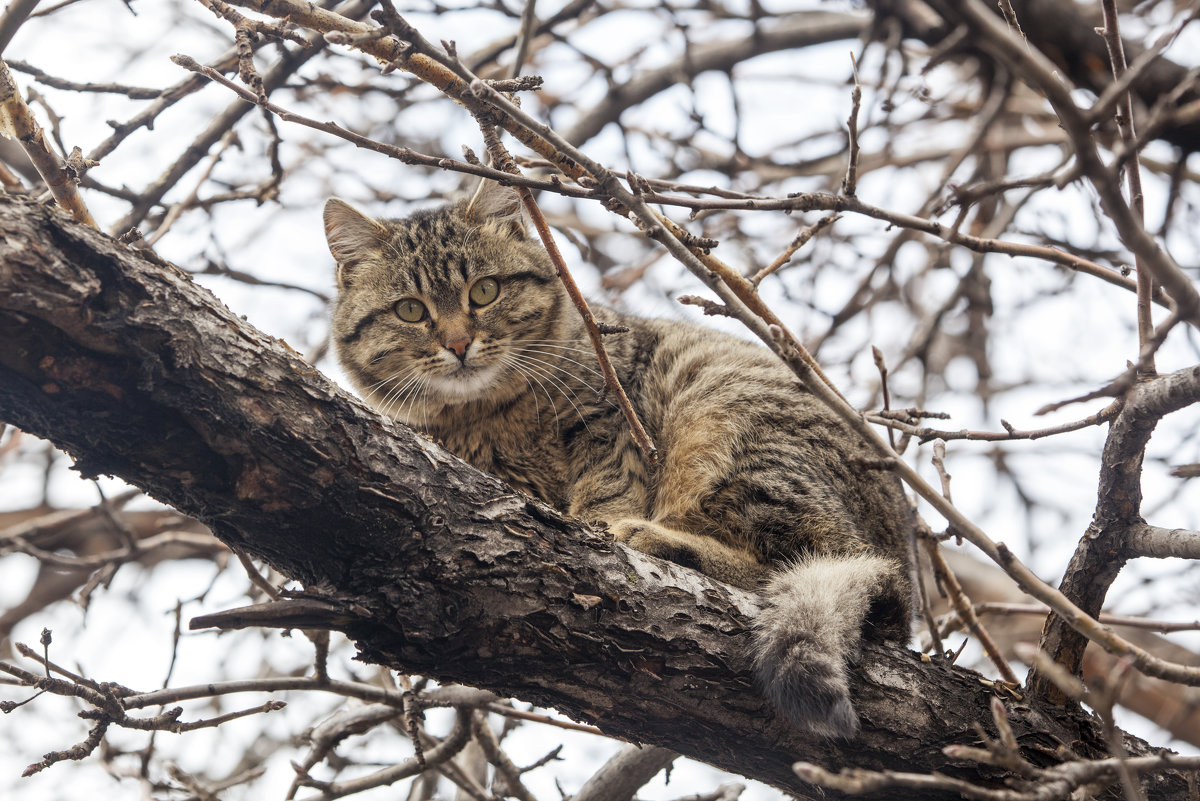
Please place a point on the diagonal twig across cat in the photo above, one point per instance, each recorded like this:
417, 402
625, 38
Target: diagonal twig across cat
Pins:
453, 321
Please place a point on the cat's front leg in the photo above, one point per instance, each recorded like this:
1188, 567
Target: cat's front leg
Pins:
705, 554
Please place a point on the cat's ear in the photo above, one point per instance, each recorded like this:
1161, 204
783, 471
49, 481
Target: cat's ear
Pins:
500, 204
351, 236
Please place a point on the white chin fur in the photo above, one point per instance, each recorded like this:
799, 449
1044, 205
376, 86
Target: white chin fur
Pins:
464, 385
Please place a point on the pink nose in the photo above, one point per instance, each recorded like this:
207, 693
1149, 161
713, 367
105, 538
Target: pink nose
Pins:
459, 346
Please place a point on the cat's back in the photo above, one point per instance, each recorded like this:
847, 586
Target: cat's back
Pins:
677, 366
748, 451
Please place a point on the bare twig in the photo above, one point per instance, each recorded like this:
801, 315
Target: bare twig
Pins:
1133, 174
17, 121
528, 24
800, 241
13, 17
502, 159
950, 621
850, 182
965, 611
926, 434
1056, 782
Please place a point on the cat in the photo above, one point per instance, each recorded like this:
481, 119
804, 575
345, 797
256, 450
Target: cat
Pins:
453, 321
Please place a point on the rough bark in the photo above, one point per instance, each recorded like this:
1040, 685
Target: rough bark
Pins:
431, 566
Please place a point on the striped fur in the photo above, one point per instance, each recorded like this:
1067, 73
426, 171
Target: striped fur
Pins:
758, 486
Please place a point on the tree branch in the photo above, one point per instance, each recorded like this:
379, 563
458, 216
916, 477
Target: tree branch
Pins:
1104, 549
436, 567
796, 30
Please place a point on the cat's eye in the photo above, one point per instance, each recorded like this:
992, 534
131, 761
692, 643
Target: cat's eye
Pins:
484, 291
410, 310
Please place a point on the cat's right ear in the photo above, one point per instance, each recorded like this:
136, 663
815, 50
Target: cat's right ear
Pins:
351, 235
497, 204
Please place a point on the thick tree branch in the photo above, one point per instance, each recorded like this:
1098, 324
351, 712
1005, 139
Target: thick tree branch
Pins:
1161, 542
436, 568
1104, 548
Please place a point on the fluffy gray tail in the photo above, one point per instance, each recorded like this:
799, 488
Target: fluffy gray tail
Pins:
810, 629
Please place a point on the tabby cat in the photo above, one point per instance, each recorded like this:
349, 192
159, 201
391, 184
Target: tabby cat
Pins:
453, 321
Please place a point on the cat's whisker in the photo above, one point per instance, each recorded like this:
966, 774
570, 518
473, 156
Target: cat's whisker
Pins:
566, 342
386, 400
398, 399
564, 358
424, 409
403, 381
508, 360
397, 376
406, 402
529, 374
557, 350
551, 343
549, 369
568, 393
551, 365
381, 382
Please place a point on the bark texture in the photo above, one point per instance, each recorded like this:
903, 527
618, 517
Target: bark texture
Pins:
432, 566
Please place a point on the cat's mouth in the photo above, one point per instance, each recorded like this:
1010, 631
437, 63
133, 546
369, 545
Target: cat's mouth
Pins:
465, 381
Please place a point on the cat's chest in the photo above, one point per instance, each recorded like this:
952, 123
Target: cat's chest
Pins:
522, 455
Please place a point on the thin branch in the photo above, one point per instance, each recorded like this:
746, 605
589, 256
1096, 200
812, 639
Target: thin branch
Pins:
442, 751
850, 182
490, 745
1133, 174
528, 24
364, 692
966, 612
950, 621
1056, 782
13, 18
802, 239
17, 120
42, 77
502, 159
1163, 543
895, 420
534, 717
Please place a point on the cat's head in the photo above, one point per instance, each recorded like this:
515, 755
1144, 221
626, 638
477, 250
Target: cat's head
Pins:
432, 306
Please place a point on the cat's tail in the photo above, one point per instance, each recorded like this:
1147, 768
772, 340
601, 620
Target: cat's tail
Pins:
810, 629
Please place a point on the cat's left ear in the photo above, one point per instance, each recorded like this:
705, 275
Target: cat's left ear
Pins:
500, 204
351, 235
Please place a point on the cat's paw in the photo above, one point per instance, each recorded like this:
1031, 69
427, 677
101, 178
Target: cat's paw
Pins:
653, 539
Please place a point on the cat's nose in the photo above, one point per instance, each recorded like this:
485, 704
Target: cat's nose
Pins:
459, 346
